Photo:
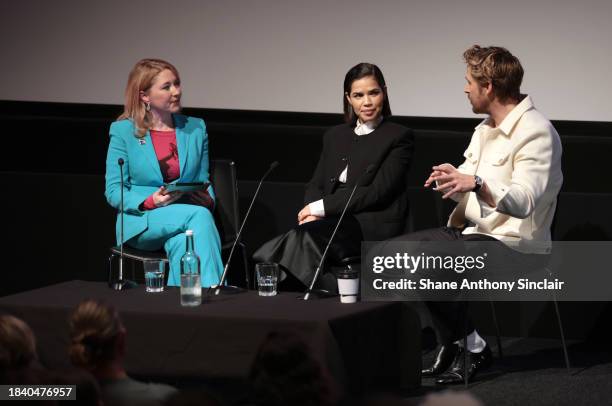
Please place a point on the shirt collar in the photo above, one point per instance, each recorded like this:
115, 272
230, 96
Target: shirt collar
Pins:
368, 126
512, 118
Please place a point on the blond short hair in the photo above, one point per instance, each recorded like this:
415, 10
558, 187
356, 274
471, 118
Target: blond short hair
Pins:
495, 65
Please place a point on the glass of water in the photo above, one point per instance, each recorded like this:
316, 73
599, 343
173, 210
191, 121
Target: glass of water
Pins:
154, 275
267, 278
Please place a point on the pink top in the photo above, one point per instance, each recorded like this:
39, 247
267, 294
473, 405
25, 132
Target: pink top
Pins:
164, 143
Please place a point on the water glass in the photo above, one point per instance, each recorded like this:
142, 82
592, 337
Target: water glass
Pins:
154, 276
267, 278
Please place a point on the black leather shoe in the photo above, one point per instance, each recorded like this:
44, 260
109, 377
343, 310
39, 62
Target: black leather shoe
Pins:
443, 360
475, 362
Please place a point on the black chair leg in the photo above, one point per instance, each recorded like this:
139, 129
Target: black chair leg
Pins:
133, 271
497, 334
111, 258
465, 354
563, 343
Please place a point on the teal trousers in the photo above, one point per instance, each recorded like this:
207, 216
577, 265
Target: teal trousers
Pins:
166, 229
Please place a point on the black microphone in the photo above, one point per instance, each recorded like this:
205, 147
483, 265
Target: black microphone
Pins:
220, 287
121, 284
369, 169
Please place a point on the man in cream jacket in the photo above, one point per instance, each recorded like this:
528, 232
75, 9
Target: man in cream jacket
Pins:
506, 190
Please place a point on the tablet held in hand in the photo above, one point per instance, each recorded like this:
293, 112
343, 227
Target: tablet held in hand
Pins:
186, 186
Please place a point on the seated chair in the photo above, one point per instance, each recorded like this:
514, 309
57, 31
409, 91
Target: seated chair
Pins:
223, 178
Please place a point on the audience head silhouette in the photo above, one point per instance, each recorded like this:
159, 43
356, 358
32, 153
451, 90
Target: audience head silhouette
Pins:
285, 373
17, 343
97, 335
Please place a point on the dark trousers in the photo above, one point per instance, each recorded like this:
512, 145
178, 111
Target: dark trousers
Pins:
300, 249
451, 319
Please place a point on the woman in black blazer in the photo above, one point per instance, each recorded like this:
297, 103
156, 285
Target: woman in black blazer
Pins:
379, 207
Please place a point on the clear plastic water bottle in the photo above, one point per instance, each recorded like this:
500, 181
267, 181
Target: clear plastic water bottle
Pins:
191, 288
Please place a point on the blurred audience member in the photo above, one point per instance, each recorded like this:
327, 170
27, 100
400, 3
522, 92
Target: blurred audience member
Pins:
285, 373
380, 399
451, 398
192, 398
98, 344
87, 388
17, 343
18, 358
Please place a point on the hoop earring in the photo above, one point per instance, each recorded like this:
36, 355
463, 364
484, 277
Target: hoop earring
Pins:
148, 106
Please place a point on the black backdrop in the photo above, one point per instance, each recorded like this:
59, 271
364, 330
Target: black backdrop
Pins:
59, 227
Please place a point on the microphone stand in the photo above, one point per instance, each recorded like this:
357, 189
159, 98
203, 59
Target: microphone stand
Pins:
122, 284
221, 288
310, 289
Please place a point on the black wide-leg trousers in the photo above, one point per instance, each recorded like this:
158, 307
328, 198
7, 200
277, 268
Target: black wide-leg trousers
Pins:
299, 251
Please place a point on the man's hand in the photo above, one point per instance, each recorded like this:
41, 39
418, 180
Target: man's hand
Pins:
450, 181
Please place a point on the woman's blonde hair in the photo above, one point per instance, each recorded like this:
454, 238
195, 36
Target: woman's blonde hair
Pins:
141, 78
94, 328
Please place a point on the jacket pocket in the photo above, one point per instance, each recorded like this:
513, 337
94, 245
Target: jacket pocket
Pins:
497, 158
471, 155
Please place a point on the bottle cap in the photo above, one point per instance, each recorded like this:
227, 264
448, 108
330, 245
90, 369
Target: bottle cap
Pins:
189, 232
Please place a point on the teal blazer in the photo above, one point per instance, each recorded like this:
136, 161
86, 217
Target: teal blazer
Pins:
141, 173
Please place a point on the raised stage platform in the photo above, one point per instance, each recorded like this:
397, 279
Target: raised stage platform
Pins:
366, 346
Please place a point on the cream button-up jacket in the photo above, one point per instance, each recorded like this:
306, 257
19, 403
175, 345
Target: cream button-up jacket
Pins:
520, 161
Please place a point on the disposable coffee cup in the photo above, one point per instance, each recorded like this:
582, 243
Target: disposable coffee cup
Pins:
348, 285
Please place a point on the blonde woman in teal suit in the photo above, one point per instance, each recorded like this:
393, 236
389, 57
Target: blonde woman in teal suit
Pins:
158, 146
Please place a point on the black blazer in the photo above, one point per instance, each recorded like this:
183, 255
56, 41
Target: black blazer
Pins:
380, 204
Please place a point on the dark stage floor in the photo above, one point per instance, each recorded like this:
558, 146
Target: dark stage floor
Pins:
533, 372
